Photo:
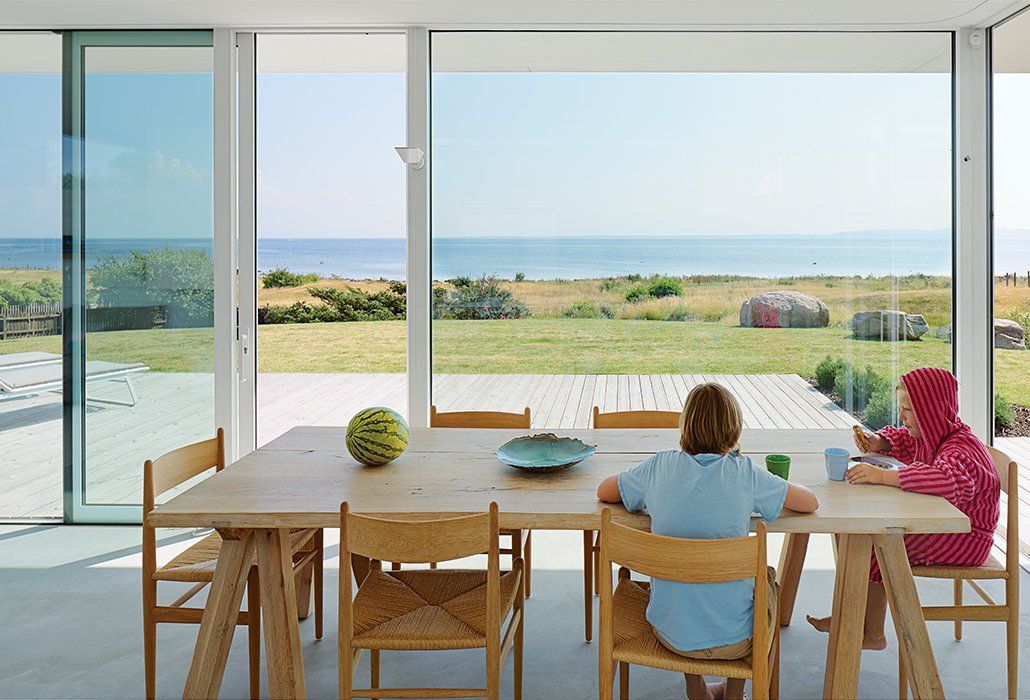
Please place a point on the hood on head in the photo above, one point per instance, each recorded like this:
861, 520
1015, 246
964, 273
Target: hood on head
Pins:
934, 396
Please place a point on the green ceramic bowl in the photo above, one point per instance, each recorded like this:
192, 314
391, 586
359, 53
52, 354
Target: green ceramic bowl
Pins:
543, 453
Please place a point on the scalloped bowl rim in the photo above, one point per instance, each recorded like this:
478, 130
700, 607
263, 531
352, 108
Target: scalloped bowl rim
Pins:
574, 458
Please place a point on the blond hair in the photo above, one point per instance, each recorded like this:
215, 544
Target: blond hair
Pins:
710, 422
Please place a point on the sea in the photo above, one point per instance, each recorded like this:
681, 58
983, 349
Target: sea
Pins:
874, 253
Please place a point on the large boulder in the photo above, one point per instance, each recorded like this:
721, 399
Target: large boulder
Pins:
1008, 335
888, 325
784, 310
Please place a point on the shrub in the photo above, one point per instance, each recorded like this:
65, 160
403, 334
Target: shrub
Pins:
357, 305
826, 372
581, 309
1004, 417
634, 277
520, 276
298, 312
481, 299
42, 292
855, 387
879, 412
636, 293
460, 282
281, 277
181, 280
606, 311
663, 286
398, 287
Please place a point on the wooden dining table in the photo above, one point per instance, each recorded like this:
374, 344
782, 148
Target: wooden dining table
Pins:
299, 480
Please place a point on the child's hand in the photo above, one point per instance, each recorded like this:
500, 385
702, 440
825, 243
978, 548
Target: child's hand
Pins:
863, 473
870, 442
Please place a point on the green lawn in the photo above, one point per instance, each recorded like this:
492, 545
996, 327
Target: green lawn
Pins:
540, 346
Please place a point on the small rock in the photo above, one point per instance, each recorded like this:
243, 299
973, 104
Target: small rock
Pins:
888, 325
1008, 335
944, 333
784, 310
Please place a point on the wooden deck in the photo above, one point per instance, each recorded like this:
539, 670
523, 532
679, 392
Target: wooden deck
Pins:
176, 408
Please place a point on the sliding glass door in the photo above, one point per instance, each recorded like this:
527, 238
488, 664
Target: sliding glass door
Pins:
138, 273
30, 276
330, 228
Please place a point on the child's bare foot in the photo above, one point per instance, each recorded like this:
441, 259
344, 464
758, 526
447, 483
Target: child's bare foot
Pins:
873, 643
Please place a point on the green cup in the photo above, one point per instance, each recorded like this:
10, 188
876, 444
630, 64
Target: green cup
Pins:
778, 465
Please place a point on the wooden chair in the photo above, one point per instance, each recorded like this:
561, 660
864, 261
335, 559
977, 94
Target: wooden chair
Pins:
521, 540
591, 540
1007, 612
636, 419
626, 637
196, 564
422, 610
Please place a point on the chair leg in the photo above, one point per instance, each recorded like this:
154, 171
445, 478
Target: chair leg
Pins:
774, 672
395, 566
373, 666
527, 560
432, 565
520, 606
597, 564
1012, 645
319, 587
149, 653
588, 584
623, 680
958, 602
254, 631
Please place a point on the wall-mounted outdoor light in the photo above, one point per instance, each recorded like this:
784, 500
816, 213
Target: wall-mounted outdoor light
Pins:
413, 157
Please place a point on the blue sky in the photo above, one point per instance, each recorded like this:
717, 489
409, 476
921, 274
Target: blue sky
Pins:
520, 154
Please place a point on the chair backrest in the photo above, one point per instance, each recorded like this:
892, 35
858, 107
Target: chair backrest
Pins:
1008, 474
415, 541
691, 561
478, 419
173, 468
168, 471
636, 419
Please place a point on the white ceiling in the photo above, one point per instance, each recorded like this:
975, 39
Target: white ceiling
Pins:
913, 14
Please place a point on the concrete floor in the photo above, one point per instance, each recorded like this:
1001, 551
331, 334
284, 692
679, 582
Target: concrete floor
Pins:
70, 628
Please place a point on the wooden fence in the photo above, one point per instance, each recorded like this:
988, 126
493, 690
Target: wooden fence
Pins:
30, 319
45, 319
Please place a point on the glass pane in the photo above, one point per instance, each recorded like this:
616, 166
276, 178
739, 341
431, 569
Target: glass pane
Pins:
1011, 162
331, 228
147, 234
618, 216
31, 439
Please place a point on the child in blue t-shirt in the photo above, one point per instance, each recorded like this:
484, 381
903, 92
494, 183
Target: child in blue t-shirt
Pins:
706, 490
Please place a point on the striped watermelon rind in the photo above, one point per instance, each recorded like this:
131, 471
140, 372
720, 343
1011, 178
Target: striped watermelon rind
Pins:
376, 436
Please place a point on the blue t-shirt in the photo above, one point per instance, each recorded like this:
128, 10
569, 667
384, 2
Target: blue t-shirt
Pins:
703, 496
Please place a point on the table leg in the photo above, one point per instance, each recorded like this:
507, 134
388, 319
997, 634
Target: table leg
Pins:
588, 584
279, 613
907, 611
788, 574
850, 588
220, 616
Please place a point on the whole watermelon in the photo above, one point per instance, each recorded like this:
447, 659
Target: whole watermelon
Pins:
376, 436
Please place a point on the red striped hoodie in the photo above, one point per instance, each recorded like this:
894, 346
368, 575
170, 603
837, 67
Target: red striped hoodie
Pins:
947, 460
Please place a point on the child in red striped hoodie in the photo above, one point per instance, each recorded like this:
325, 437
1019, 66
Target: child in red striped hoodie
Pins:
943, 458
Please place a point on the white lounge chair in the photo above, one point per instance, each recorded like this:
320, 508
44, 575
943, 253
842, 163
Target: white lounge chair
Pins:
31, 373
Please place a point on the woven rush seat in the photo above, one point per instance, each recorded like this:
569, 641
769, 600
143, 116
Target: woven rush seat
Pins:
990, 569
197, 563
426, 609
636, 643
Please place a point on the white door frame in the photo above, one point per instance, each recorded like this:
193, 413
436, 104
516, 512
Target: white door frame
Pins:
238, 274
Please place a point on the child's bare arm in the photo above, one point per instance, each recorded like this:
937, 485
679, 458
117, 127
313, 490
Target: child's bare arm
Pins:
608, 491
800, 499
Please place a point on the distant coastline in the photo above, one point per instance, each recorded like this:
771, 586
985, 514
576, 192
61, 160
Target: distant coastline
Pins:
876, 253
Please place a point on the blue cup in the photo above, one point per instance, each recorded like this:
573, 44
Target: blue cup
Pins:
836, 462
